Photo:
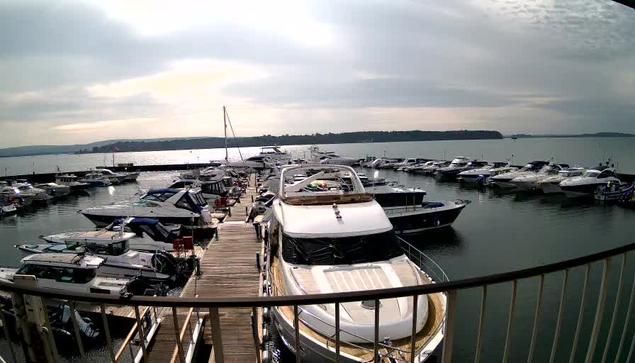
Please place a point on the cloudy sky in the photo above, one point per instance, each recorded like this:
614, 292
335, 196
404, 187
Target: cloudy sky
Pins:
82, 71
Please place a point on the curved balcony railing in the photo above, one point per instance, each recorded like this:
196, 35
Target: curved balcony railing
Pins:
607, 259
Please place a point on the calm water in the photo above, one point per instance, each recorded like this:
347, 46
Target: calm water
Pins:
496, 233
587, 152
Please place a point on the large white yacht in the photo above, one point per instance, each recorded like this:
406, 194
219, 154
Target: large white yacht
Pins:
177, 206
336, 238
71, 181
587, 184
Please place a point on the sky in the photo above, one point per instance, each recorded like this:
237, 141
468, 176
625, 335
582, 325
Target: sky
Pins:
83, 71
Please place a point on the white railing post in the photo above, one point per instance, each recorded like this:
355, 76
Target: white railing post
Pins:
512, 308
450, 323
585, 292
481, 324
556, 337
599, 312
534, 335
620, 285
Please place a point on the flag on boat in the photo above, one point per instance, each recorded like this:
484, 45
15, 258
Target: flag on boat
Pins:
116, 148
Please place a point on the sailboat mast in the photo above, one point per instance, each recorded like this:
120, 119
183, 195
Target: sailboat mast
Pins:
225, 127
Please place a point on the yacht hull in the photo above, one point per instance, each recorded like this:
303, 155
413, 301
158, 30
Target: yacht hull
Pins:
423, 219
583, 190
101, 220
550, 188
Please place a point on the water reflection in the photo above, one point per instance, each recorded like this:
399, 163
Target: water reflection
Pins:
447, 239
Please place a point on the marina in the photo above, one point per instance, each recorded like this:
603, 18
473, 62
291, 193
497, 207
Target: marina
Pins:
230, 261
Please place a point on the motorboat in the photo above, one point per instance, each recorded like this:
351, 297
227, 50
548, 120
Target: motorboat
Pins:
8, 209
340, 235
38, 195
529, 181
418, 166
11, 194
177, 206
586, 184
425, 216
480, 176
141, 234
55, 190
119, 260
67, 273
333, 158
432, 168
95, 179
503, 180
614, 192
118, 178
71, 181
459, 164
274, 155
215, 192
384, 163
405, 163
551, 184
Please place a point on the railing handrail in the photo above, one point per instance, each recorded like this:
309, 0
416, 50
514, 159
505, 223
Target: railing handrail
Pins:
330, 298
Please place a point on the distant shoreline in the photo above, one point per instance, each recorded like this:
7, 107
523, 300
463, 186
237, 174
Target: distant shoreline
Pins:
599, 134
256, 141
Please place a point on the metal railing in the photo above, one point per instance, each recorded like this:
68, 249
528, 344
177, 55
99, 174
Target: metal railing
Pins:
589, 348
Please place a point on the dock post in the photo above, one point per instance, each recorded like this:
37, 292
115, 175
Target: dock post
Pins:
32, 322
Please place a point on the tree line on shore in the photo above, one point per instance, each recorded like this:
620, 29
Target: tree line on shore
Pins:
266, 140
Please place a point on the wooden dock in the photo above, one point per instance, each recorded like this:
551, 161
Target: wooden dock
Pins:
229, 270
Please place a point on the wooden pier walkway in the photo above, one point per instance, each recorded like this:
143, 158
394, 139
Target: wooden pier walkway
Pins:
229, 270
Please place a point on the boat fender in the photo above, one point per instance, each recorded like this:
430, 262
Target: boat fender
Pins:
437, 222
265, 334
265, 356
265, 315
258, 261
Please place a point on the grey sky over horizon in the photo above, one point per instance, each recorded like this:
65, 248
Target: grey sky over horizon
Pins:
81, 71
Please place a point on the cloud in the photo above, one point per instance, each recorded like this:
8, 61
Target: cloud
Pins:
311, 66
98, 125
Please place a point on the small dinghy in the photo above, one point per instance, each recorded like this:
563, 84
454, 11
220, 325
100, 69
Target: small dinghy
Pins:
612, 192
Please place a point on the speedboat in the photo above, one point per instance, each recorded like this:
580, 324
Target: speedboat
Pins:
503, 180
141, 234
55, 190
71, 181
95, 179
8, 209
551, 184
119, 260
333, 158
176, 206
66, 272
11, 194
482, 175
384, 163
459, 164
114, 178
38, 195
273, 155
405, 163
529, 181
431, 168
424, 216
337, 239
586, 184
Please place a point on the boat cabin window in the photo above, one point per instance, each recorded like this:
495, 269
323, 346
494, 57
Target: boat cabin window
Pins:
606, 174
59, 274
191, 202
591, 174
216, 188
159, 196
341, 250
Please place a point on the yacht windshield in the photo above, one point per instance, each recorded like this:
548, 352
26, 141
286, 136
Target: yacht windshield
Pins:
342, 250
591, 174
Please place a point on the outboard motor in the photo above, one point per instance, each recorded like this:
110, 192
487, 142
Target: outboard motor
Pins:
86, 326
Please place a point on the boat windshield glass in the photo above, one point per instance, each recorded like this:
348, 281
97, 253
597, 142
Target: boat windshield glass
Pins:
159, 197
341, 250
591, 174
59, 274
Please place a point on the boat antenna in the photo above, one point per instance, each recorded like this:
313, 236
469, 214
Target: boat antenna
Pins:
235, 139
225, 130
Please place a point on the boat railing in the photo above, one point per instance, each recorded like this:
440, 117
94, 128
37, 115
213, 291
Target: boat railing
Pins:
601, 332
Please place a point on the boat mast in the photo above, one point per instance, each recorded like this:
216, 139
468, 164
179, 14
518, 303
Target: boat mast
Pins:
225, 128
